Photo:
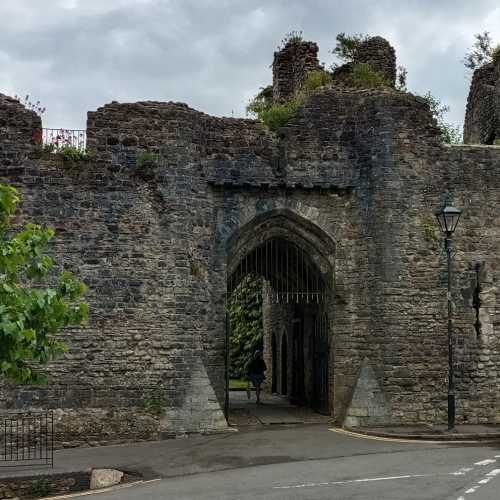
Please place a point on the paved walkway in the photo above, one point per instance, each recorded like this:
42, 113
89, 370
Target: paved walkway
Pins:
273, 410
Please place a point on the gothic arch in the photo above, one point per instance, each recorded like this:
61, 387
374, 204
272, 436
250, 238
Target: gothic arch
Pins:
285, 224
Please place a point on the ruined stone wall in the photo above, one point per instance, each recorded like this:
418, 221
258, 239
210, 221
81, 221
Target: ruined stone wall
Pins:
20, 131
359, 173
410, 287
402, 173
290, 67
140, 237
380, 55
474, 182
482, 117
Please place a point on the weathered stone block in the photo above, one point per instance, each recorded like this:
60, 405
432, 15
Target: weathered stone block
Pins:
104, 478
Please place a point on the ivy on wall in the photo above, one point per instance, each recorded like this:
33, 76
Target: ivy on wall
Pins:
244, 310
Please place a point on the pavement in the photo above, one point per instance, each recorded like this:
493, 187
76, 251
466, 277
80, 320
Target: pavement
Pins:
283, 453
278, 410
274, 410
436, 432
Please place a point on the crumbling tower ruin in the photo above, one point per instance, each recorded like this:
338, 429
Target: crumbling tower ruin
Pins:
297, 58
380, 55
482, 116
290, 67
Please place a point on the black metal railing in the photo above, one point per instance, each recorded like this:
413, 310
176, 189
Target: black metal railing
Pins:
27, 439
60, 137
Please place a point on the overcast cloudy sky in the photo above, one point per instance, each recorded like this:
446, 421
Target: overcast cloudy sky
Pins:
76, 55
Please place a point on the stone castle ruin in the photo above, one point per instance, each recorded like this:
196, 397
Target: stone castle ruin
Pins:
350, 182
482, 118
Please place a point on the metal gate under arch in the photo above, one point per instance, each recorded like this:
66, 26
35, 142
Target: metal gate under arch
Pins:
291, 277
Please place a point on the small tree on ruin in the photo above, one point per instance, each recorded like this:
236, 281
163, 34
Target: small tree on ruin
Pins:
482, 52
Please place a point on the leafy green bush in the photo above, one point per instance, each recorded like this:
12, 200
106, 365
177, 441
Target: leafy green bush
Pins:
72, 153
276, 115
314, 80
365, 77
244, 310
262, 101
66, 151
40, 488
450, 133
347, 46
30, 315
272, 115
481, 52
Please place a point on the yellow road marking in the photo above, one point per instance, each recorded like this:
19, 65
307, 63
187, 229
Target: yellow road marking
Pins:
402, 440
103, 490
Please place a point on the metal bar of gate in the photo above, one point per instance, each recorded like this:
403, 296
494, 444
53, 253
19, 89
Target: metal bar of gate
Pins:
297, 274
287, 274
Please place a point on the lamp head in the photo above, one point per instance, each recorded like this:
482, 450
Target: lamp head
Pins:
448, 217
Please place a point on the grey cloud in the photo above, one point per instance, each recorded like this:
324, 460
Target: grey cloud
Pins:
214, 54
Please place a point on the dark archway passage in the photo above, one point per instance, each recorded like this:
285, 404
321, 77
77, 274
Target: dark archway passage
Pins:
296, 279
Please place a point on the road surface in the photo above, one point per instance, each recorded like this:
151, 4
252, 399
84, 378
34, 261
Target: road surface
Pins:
332, 466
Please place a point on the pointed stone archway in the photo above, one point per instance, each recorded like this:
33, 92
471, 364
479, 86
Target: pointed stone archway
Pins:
295, 260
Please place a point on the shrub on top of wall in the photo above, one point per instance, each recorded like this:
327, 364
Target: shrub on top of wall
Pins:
72, 153
66, 152
292, 38
316, 79
365, 77
276, 115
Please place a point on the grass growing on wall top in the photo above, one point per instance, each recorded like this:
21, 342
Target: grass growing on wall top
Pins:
365, 77
276, 115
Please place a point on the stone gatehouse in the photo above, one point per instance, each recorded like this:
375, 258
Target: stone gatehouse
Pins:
352, 180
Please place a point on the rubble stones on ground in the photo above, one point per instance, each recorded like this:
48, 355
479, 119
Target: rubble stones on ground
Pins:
104, 478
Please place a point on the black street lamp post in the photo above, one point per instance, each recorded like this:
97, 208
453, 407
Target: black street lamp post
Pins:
448, 218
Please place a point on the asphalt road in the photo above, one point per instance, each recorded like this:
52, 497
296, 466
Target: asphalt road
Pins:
335, 466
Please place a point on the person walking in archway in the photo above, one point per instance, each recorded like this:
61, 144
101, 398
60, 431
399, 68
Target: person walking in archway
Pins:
255, 372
